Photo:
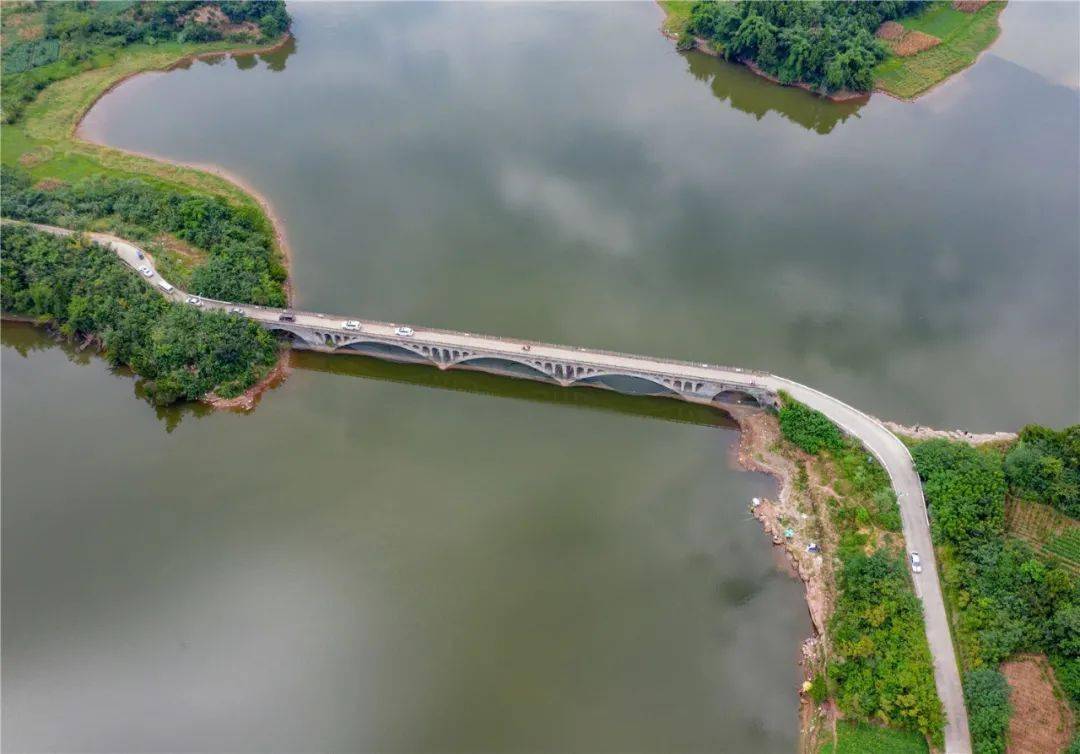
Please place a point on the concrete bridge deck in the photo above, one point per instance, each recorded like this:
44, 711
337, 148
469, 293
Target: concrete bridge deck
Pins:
636, 375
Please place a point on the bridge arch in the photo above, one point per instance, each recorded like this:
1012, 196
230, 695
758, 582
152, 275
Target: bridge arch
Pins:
509, 367
628, 384
290, 334
381, 350
735, 397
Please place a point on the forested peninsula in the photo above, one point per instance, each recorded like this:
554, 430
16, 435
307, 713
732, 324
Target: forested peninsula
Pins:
204, 232
840, 49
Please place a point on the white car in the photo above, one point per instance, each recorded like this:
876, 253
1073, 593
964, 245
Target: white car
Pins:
916, 563
405, 332
236, 310
146, 271
194, 301
352, 324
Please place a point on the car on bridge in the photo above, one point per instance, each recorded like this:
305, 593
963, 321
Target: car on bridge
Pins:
194, 300
286, 317
405, 332
352, 324
237, 310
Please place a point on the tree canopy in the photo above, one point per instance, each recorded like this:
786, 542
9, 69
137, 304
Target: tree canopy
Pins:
882, 666
1007, 598
242, 264
1045, 466
827, 45
86, 291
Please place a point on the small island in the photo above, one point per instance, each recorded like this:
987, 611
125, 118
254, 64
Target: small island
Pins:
840, 50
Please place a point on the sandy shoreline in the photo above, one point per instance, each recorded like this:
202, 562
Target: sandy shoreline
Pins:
758, 434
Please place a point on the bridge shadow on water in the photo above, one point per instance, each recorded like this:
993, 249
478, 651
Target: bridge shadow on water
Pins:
479, 383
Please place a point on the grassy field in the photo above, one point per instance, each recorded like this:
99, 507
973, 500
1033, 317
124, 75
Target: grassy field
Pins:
963, 36
1051, 533
678, 14
43, 142
859, 738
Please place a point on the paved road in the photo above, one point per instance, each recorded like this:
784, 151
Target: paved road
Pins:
892, 453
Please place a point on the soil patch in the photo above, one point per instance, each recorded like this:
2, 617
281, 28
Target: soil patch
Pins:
912, 43
890, 30
1041, 722
969, 6
49, 184
191, 255
35, 156
213, 16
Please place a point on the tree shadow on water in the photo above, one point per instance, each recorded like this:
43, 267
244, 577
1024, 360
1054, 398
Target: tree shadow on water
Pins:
750, 93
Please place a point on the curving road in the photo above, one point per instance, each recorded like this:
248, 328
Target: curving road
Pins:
885, 446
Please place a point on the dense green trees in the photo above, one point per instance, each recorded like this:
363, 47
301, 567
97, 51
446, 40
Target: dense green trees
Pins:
77, 36
242, 265
1045, 466
828, 45
986, 694
1007, 599
809, 429
86, 291
965, 488
882, 667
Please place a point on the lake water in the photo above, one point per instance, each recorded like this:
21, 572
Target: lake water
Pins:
396, 559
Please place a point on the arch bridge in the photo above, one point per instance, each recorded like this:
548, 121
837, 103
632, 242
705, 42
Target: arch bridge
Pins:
559, 365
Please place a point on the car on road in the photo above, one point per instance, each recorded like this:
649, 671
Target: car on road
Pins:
405, 332
236, 310
286, 317
139, 254
352, 324
165, 286
194, 300
916, 563
146, 271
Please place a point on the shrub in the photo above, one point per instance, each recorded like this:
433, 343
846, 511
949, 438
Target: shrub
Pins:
883, 667
809, 429
986, 693
965, 489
